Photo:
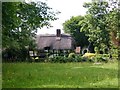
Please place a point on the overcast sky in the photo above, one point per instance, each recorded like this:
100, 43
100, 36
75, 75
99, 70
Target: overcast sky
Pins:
68, 8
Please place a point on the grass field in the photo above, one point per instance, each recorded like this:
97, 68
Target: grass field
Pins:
60, 75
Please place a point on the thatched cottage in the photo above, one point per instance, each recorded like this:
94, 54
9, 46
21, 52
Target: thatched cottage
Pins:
55, 42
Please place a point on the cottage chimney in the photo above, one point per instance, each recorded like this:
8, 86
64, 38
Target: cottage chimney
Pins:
58, 33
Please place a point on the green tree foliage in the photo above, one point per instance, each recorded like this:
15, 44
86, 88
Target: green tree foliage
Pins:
102, 23
20, 21
72, 27
113, 22
94, 23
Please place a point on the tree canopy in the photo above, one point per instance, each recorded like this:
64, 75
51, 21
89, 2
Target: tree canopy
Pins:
72, 27
94, 24
20, 21
100, 24
113, 22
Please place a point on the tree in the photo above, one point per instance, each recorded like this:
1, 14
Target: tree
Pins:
94, 24
113, 23
72, 27
20, 21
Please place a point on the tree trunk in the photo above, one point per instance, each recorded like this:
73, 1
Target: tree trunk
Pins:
116, 42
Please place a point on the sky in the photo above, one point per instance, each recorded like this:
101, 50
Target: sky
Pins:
68, 8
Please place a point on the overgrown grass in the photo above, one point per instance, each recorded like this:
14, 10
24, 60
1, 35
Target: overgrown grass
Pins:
60, 75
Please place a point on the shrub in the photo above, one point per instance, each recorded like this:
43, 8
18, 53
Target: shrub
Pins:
78, 58
58, 59
89, 55
105, 55
62, 59
100, 58
71, 55
96, 49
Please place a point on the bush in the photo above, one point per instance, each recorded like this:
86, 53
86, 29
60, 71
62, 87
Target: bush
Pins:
89, 55
58, 59
71, 55
100, 58
78, 58
96, 49
15, 55
105, 55
62, 59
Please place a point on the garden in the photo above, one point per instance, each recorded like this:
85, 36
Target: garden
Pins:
96, 34
75, 71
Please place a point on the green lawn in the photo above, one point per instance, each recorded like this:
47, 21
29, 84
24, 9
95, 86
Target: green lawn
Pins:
60, 75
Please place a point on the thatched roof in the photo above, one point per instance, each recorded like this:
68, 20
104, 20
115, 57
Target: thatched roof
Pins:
54, 42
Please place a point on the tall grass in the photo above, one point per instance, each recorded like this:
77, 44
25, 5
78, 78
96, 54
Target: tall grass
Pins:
60, 75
